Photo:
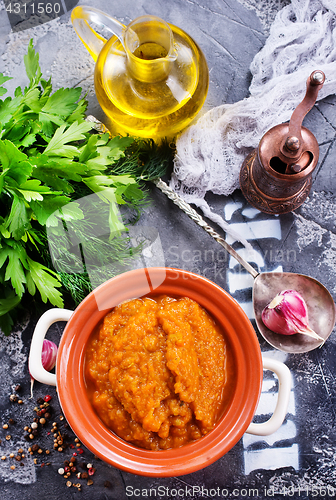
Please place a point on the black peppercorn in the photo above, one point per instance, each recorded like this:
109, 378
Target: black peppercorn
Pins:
40, 401
107, 484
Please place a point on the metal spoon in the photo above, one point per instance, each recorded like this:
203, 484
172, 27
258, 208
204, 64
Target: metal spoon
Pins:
266, 286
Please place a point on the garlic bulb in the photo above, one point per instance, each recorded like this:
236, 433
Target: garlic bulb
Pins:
287, 314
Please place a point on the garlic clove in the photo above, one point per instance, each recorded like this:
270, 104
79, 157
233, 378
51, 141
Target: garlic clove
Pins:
48, 358
287, 314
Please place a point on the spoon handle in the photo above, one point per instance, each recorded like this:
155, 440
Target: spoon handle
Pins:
196, 217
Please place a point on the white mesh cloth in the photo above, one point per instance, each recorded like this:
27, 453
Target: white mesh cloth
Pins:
210, 152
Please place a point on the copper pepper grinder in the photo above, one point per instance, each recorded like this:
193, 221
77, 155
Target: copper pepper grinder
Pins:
276, 177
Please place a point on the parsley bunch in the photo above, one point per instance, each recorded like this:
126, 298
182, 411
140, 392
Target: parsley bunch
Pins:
48, 158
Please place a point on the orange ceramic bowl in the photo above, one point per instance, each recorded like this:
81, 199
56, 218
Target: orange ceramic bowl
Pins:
244, 347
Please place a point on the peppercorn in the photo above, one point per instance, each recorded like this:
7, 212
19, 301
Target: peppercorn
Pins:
73, 460
8, 437
42, 421
107, 484
18, 458
11, 455
20, 450
5, 426
20, 402
11, 421
34, 432
85, 475
47, 415
69, 483
35, 447
40, 401
25, 428
18, 388
3, 457
47, 398
12, 467
13, 398
34, 425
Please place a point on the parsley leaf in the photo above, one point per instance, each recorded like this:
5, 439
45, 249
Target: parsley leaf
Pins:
58, 146
31, 61
18, 220
45, 280
62, 102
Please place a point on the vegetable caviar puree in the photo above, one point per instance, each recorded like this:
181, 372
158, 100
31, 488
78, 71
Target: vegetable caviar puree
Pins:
156, 371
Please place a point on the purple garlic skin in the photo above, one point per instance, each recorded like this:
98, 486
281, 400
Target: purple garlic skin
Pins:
287, 314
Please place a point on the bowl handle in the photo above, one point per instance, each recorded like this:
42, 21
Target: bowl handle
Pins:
285, 383
35, 355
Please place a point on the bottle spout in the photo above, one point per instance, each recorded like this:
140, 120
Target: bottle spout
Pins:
150, 48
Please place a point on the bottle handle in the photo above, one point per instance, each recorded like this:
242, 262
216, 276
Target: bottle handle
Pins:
80, 18
285, 383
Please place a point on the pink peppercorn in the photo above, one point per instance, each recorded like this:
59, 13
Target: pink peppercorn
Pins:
47, 398
74, 454
91, 471
80, 451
